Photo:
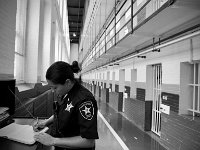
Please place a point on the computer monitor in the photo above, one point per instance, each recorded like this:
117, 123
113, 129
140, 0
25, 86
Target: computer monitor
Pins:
7, 97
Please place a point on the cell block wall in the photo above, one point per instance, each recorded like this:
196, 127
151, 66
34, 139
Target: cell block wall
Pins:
179, 132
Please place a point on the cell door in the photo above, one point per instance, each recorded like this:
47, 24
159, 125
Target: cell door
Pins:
156, 111
195, 87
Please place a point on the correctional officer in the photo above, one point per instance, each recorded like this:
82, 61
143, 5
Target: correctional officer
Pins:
74, 123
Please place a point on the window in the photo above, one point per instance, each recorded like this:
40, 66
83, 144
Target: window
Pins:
20, 40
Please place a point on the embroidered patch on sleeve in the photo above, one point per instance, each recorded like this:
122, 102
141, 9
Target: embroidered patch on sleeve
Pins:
87, 110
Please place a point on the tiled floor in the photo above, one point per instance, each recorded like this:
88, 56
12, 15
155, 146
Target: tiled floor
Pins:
133, 137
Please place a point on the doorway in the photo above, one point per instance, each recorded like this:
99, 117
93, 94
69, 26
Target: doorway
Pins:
156, 111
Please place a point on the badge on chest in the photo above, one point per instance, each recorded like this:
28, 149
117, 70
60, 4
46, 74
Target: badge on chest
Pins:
69, 107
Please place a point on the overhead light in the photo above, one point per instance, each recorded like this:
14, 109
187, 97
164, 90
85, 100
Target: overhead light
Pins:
141, 56
156, 50
74, 34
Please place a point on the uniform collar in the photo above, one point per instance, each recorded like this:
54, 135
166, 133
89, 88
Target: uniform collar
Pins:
72, 91
65, 96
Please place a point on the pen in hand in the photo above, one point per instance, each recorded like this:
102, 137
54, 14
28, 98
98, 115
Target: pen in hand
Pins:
38, 125
37, 122
35, 126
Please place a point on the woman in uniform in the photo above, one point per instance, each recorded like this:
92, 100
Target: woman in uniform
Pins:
74, 123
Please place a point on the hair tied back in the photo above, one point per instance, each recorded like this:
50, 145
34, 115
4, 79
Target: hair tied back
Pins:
75, 67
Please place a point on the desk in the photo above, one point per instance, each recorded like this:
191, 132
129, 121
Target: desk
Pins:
6, 144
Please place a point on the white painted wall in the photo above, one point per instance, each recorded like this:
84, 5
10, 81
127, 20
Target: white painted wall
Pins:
141, 72
128, 73
171, 70
7, 37
196, 48
116, 75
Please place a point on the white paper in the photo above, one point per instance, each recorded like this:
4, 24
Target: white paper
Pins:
20, 133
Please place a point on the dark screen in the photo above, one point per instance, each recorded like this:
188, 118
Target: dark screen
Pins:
7, 98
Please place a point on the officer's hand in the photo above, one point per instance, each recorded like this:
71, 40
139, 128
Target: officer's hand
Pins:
44, 138
39, 125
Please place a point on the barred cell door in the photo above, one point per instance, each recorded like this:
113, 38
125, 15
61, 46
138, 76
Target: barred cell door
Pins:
156, 112
195, 87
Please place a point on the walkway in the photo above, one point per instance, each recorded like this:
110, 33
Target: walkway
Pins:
130, 135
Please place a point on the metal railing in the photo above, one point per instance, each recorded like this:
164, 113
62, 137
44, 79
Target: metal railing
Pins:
122, 21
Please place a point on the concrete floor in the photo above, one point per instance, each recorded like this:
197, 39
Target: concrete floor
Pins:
123, 131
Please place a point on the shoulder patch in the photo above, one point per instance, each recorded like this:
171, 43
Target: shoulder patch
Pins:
87, 110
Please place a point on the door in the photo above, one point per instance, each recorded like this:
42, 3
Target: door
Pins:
156, 111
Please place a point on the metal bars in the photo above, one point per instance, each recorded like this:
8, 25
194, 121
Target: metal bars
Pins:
156, 112
196, 90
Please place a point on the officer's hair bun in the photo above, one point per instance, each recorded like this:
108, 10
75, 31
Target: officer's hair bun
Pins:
75, 67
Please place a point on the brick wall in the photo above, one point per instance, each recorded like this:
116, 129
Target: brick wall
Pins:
105, 95
135, 111
115, 100
97, 95
180, 132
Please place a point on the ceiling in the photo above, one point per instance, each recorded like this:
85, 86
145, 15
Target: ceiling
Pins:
75, 18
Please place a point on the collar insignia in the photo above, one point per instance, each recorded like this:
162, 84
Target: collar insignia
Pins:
69, 106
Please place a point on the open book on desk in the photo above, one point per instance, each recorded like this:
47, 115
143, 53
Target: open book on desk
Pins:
20, 133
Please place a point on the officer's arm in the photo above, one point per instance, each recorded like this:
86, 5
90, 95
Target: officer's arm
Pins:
49, 121
74, 142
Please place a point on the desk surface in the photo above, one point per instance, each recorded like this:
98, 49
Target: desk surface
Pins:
6, 144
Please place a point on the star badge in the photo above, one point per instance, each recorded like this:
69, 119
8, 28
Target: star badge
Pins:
87, 110
69, 106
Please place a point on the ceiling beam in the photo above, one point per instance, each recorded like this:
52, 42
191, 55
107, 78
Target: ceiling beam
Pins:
71, 33
74, 24
74, 29
75, 7
75, 18
75, 11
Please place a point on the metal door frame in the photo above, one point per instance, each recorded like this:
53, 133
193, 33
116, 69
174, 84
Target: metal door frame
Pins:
156, 111
195, 104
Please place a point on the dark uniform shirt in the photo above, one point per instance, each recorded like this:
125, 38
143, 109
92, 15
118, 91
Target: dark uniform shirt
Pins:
76, 116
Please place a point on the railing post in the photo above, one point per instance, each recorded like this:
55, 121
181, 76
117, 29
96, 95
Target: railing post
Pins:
131, 16
105, 38
115, 22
